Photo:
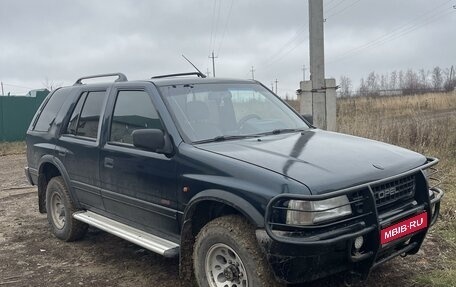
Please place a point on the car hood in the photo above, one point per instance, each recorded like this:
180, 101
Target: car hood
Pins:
323, 161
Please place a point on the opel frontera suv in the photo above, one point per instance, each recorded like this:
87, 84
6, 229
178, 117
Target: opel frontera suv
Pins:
226, 176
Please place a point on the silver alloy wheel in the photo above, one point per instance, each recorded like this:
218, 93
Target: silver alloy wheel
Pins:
224, 268
57, 211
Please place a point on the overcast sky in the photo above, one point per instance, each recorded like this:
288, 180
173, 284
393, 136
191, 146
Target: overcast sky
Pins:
63, 40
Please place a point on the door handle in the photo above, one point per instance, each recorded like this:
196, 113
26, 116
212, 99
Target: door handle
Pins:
108, 162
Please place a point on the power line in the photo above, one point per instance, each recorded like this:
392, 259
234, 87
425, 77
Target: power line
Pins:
399, 31
212, 24
226, 27
17, 86
335, 5
328, 3
216, 23
342, 10
388, 38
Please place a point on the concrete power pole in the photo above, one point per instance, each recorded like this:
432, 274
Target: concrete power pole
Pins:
317, 62
318, 96
253, 73
3, 92
213, 62
276, 81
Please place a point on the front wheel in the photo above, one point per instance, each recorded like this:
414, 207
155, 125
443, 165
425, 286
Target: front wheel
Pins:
227, 254
60, 209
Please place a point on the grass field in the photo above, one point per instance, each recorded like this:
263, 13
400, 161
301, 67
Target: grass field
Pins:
426, 124
7, 148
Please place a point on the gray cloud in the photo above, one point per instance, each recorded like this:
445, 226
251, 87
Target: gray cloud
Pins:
62, 40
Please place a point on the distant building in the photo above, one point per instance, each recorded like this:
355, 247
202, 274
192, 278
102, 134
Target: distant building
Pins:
33, 93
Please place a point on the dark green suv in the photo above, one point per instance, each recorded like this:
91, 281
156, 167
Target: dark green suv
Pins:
228, 177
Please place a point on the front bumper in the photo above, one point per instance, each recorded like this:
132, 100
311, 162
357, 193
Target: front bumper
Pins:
298, 257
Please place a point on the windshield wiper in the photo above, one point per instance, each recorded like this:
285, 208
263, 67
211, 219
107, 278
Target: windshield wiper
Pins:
224, 138
282, 131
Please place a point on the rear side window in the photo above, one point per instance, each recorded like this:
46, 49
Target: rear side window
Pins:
50, 110
86, 115
133, 110
73, 124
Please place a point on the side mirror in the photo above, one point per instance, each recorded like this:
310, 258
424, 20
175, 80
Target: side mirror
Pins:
308, 118
153, 140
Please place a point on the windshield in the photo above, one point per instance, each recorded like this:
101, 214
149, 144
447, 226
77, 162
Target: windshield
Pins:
207, 112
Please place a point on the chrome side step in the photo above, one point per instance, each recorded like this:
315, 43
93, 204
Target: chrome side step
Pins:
148, 241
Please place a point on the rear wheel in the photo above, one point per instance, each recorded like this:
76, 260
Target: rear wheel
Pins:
227, 254
60, 209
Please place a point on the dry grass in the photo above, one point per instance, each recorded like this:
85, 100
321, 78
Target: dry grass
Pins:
426, 124
8, 148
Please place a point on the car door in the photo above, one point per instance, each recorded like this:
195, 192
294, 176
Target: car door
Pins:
78, 148
137, 185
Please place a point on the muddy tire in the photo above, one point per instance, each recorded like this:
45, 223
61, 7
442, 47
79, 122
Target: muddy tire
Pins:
60, 209
226, 253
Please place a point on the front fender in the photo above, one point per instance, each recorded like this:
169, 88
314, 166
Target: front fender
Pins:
230, 199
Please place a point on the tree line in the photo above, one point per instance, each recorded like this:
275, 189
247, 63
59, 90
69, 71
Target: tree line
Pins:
400, 83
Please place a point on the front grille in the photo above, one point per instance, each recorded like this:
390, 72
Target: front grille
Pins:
394, 191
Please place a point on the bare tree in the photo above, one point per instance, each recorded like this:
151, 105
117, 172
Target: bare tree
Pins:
372, 83
450, 79
411, 82
423, 82
345, 85
393, 80
437, 78
50, 84
384, 81
401, 80
362, 88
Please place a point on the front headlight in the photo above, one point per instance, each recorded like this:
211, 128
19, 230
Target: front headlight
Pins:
303, 212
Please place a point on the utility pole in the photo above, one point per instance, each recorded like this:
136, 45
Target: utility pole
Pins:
213, 62
3, 92
253, 73
304, 72
272, 86
317, 63
276, 86
208, 73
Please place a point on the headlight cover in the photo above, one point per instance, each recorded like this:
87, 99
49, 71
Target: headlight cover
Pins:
302, 212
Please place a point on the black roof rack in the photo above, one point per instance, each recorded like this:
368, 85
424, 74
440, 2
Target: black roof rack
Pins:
201, 75
120, 78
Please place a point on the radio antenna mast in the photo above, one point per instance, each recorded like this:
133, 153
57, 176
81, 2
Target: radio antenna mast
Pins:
201, 74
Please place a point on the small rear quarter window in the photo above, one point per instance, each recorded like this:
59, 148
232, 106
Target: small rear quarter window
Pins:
50, 110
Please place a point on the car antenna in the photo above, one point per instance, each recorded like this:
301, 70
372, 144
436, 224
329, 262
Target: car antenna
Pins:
201, 74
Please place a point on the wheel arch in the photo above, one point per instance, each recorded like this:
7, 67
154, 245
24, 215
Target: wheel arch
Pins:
49, 167
202, 207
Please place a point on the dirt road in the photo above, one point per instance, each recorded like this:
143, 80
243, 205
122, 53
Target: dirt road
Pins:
31, 256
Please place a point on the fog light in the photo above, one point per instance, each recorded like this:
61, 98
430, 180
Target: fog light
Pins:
359, 242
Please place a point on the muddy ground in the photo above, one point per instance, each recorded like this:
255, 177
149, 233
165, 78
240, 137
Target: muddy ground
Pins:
31, 256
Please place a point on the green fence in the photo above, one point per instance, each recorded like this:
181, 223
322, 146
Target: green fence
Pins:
16, 112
